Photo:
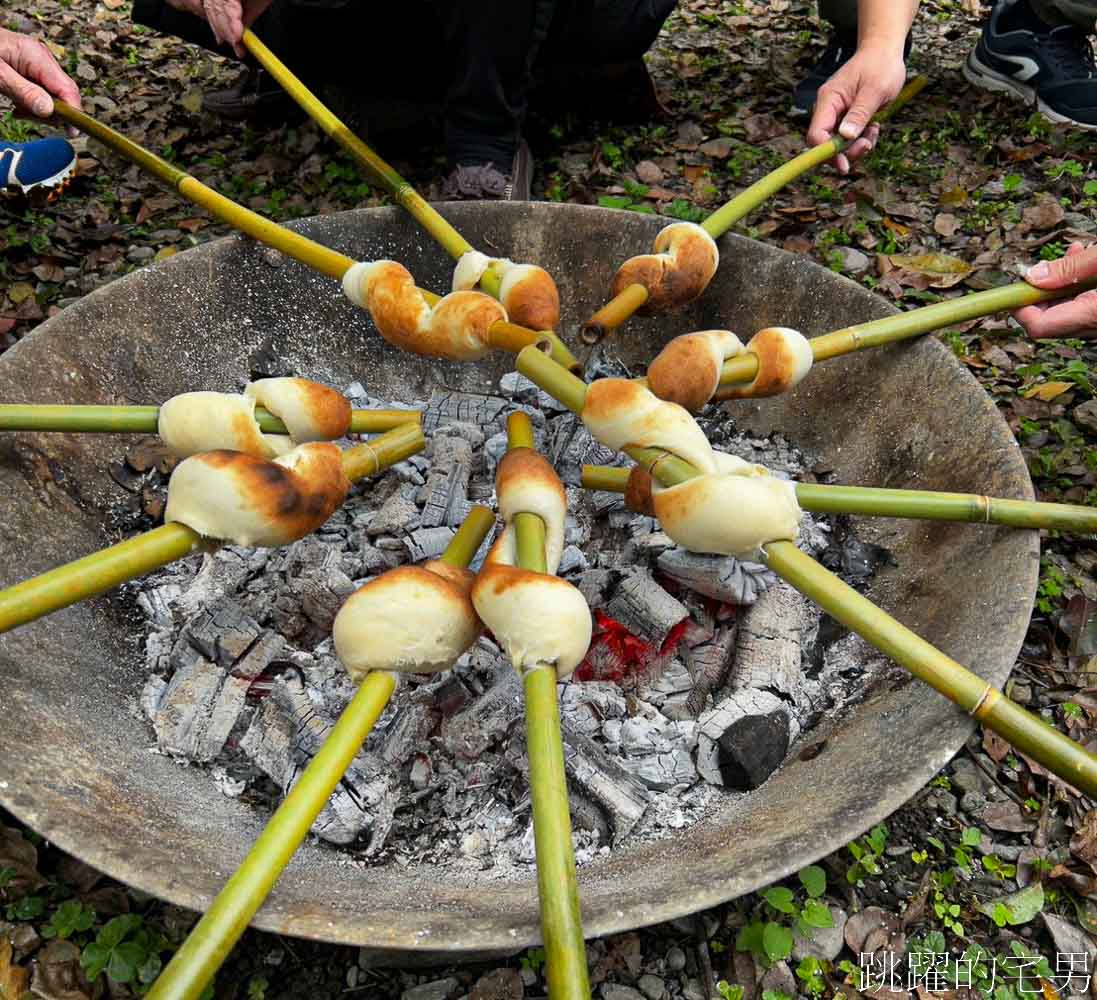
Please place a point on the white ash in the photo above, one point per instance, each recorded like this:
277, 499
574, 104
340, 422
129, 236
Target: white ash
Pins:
243, 679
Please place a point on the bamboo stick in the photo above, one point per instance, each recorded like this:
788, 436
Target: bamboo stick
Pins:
557, 884
104, 570
209, 942
925, 505
1044, 744
911, 323
143, 419
632, 298
300, 248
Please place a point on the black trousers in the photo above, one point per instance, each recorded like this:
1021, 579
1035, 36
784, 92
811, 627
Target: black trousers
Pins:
478, 56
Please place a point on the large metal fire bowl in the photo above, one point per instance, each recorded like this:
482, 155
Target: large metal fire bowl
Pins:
76, 766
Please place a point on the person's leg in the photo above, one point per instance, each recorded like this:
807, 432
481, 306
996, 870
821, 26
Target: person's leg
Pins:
492, 46
1038, 51
841, 13
1081, 13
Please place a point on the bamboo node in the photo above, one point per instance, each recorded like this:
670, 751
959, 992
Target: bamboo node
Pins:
986, 701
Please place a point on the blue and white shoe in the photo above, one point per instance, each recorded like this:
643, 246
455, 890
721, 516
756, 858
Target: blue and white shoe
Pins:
45, 163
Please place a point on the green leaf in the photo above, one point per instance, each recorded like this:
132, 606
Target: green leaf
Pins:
817, 914
814, 880
115, 930
1020, 907
935, 843
125, 960
780, 898
1001, 914
93, 959
750, 938
972, 837
614, 201
777, 942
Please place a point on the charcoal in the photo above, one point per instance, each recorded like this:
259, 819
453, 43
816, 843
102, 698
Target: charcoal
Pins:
447, 483
322, 593
576, 532
446, 406
222, 632
603, 365
585, 707
605, 781
594, 584
657, 751
466, 431
371, 561
645, 608
365, 798
522, 390
488, 718
708, 664
572, 560
603, 502
586, 814
408, 732
152, 693
397, 513
427, 543
197, 710
573, 447
744, 739
768, 649
670, 688
222, 572
158, 648
157, 603
268, 742
408, 473
724, 578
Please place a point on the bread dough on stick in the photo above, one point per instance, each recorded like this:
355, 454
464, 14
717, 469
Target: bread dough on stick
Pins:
455, 328
414, 619
247, 500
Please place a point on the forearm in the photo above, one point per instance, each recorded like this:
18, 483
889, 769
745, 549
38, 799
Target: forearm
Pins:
884, 24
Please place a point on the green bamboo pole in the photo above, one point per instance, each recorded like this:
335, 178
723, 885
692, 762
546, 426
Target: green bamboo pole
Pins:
143, 419
208, 944
912, 323
104, 570
925, 505
628, 301
557, 884
300, 248
979, 699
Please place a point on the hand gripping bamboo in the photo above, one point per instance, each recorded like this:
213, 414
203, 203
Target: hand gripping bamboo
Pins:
557, 885
970, 692
539, 308
925, 505
104, 570
208, 944
505, 336
633, 297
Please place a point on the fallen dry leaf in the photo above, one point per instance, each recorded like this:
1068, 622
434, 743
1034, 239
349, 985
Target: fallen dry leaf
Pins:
941, 269
1047, 391
13, 979
946, 224
1046, 213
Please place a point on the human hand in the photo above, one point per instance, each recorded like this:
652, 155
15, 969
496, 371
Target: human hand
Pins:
31, 77
1073, 317
848, 100
229, 18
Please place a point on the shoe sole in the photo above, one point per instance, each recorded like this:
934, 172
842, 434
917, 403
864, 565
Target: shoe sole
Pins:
59, 180
977, 73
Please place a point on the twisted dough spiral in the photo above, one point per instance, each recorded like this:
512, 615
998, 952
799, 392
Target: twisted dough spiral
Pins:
687, 370
248, 500
195, 422
682, 262
732, 508
455, 328
527, 292
784, 358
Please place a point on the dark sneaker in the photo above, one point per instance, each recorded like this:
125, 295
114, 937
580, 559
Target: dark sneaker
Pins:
839, 49
485, 182
256, 97
1051, 67
40, 163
